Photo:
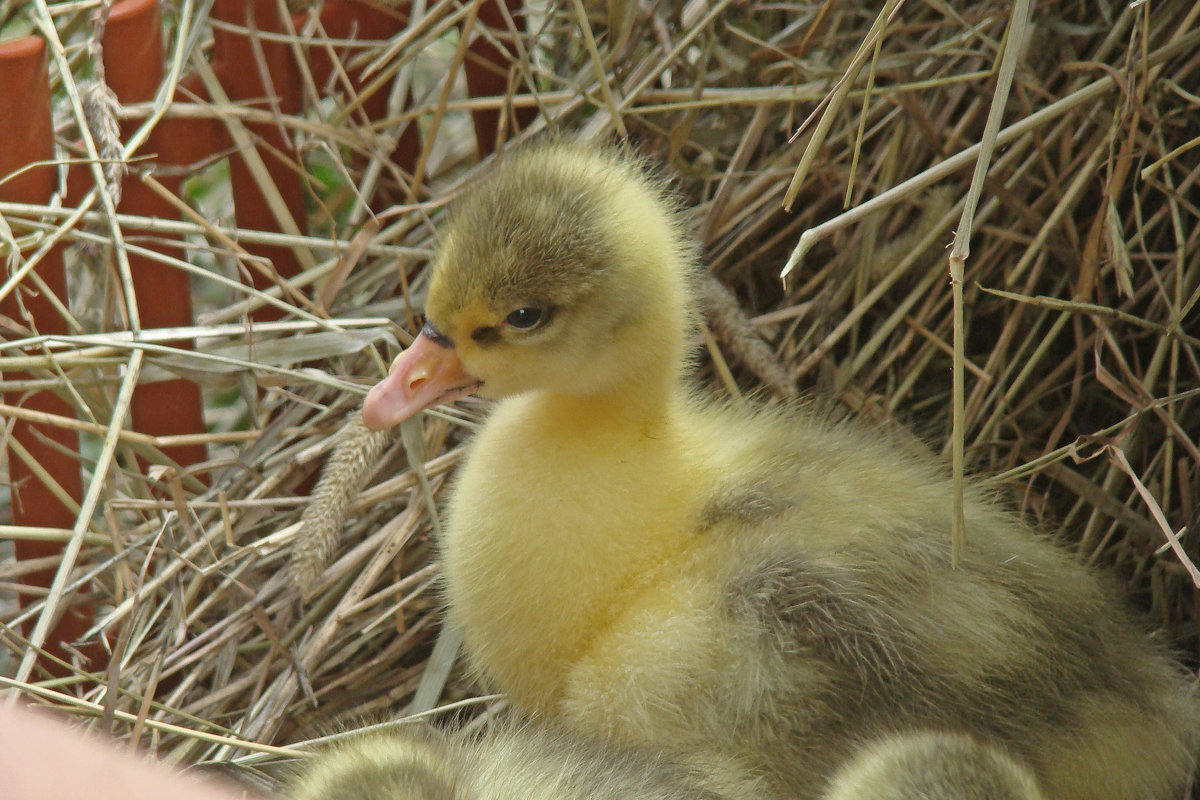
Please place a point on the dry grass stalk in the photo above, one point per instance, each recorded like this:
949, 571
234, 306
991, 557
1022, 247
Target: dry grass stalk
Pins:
357, 451
1015, 35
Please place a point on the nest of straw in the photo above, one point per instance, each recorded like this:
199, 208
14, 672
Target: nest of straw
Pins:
1079, 340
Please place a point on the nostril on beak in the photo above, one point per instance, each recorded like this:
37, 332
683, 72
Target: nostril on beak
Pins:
417, 378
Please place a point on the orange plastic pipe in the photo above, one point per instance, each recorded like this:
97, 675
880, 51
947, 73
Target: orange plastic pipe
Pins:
240, 71
27, 137
366, 21
133, 68
242, 64
487, 73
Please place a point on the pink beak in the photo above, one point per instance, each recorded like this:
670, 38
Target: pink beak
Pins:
424, 375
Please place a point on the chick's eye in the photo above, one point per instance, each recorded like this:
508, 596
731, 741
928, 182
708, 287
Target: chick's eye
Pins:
525, 318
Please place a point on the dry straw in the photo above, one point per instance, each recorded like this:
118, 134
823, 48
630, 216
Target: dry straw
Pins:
1077, 343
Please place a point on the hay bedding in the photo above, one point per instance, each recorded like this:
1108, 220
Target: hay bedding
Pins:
1081, 337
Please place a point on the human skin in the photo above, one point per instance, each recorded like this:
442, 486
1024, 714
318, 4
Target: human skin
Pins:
43, 759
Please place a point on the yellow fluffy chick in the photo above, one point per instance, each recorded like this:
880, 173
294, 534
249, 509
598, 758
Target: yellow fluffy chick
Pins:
762, 593
932, 766
513, 763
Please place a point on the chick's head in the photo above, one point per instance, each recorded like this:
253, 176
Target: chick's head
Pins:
564, 271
